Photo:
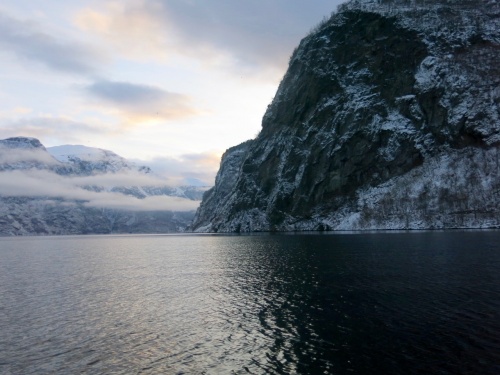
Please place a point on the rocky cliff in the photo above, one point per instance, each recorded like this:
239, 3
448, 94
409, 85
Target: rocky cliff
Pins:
387, 118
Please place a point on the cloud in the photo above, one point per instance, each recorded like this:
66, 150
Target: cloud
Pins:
251, 35
22, 110
140, 103
154, 203
126, 178
28, 41
11, 157
44, 184
130, 27
187, 169
59, 128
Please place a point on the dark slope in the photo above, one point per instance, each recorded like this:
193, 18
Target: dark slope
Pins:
388, 117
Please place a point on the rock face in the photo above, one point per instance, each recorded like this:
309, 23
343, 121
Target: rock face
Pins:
387, 118
28, 216
224, 183
56, 203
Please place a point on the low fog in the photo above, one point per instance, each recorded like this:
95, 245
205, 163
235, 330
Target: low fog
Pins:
9, 156
49, 185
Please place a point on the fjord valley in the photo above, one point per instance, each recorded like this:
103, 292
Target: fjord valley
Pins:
387, 118
76, 189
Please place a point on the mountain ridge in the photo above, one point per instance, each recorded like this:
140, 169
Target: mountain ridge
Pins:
85, 192
379, 92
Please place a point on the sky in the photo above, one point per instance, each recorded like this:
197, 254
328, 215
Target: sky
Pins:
168, 83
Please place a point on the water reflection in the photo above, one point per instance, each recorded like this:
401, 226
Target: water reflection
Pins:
266, 283
413, 303
388, 303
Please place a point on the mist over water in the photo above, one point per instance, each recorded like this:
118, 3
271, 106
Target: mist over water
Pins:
373, 303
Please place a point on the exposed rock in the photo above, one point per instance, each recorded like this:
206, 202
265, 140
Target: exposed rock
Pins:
224, 182
382, 94
25, 216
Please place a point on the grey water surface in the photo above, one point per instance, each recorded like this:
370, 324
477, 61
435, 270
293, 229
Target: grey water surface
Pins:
365, 303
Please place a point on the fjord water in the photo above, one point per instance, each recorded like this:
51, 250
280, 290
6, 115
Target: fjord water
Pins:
372, 303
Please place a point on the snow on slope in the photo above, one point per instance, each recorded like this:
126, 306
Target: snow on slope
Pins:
388, 117
92, 160
81, 189
64, 153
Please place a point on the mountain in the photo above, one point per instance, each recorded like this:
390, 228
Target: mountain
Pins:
88, 160
387, 118
82, 190
22, 153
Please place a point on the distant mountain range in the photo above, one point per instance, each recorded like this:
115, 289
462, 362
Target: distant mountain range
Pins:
74, 189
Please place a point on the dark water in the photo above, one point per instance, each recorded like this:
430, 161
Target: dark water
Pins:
386, 303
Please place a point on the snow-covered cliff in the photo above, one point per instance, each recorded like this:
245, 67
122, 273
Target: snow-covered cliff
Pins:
387, 118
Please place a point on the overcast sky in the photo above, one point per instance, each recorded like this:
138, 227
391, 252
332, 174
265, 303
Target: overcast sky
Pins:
172, 82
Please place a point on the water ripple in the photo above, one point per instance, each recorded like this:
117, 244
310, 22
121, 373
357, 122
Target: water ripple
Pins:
412, 303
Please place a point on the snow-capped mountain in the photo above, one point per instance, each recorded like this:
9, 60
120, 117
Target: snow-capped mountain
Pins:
387, 118
78, 189
26, 143
88, 160
20, 153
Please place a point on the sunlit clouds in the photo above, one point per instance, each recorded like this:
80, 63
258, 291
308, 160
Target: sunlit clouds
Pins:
60, 129
149, 79
129, 28
138, 103
254, 36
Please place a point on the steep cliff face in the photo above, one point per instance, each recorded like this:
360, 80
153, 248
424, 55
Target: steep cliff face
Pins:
388, 117
224, 184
